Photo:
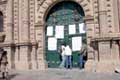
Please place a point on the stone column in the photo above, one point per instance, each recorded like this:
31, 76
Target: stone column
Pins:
34, 61
116, 15
24, 20
16, 30
105, 63
90, 27
105, 50
115, 51
9, 30
32, 34
9, 22
23, 63
40, 37
102, 17
16, 20
117, 63
23, 34
90, 64
119, 13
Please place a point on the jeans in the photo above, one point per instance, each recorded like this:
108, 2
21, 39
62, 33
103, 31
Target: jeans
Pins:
62, 64
68, 61
81, 61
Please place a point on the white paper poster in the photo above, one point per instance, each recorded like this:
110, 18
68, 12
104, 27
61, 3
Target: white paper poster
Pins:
59, 32
52, 43
76, 43
72, 29
50, 31
82, 28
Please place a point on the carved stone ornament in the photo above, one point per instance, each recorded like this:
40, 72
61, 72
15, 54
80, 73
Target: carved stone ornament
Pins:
41, 2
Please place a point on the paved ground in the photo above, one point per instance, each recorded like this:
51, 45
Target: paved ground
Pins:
61, 74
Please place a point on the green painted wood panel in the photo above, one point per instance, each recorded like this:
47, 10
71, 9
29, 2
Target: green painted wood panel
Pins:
64, 13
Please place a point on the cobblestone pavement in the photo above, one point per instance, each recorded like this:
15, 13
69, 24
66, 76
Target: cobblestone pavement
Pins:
61, 74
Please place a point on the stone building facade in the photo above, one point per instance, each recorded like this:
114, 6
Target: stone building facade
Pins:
24, 27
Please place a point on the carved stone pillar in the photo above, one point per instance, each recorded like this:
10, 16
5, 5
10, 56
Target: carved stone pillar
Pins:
24, 19
40, 37
90, 64
102, 17
34, 61
9, 30
89, 21
16, 31
32, 34
9, 22
23, 35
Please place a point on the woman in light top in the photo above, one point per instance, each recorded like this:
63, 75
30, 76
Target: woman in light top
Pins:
62, 64
68, 54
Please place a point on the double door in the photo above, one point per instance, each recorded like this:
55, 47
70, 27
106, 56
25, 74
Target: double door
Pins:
63, 34
64, 24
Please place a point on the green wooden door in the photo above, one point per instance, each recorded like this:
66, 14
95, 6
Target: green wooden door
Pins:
62, 25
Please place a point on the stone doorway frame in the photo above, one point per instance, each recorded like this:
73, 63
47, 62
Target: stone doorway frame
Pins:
40, 26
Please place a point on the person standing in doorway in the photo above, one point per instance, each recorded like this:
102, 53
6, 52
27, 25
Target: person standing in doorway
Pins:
68, 54
4, 62
62, 52
83, 52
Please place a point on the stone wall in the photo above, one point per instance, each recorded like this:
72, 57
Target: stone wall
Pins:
24, 26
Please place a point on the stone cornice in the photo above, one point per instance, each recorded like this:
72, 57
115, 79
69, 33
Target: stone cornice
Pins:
18, 44
107, 37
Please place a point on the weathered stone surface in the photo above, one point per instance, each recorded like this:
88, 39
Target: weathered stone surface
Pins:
24, 24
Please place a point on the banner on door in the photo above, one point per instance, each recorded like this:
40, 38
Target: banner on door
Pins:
72, 29
76, 43
52, 43
59, 32
50, 31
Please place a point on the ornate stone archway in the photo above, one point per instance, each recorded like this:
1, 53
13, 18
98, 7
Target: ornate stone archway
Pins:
19, 41
42, 13
46, 5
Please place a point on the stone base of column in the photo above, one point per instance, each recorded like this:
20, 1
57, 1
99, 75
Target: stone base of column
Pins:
9, 57
105, 66
42, 65
101, 66
117, 66
90, 66
34, 65
22, 65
